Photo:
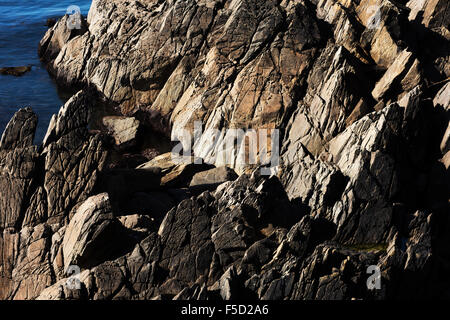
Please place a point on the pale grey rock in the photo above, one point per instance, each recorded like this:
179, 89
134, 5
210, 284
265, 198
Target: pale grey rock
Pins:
123, 129
443, 97
392, 74
213, 177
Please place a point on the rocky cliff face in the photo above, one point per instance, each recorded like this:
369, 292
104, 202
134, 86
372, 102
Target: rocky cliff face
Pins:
360, 92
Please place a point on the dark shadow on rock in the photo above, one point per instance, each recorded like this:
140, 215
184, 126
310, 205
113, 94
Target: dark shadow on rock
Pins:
428, 44
112, 241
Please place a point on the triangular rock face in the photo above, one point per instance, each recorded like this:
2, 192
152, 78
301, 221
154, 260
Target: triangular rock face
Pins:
360, 97
40, 187
18, 161
19, 132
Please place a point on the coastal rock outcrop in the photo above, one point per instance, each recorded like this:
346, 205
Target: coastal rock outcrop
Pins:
40, 189
361, 185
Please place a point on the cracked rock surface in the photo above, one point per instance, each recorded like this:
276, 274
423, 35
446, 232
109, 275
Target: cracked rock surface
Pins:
360, 92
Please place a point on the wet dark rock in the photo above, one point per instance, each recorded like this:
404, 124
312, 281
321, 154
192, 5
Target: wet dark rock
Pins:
50, 22
15, 71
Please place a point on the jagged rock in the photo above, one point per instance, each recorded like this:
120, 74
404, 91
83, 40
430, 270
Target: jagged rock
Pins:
362, 180
210, 179
446, 160
443, 97
17, 170
316, 183
335, 273
93, 234
445, 143
260, 252
400, 65
319, 117
203, 235
19, 133
187, 249
436, 14
383, 21
227, 284
123, 129
18, 158
410, 255
175, 171
208, 34
86, 232
275, 279
442, 100
31, 179
360, 154
57, 36
136, 222
360, 110
73, 157
32, 271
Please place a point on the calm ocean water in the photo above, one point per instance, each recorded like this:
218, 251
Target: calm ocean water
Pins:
22, 24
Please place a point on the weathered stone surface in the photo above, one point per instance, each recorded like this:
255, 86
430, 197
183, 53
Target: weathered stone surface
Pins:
18, 159
73, 158
89, 233
360, 154
17, 169
320, 116
175, 171
325, 274
57, 36
19, 133
360, 93
32, 271
123, 129
443, 97
401, 63
436, 14
136, 222
212, 178
383, 21
446, 160
37, 183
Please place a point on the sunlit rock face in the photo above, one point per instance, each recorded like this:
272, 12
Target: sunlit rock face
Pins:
358, 92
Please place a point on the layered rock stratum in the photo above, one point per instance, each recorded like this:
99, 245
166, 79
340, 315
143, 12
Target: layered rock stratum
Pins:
360, 92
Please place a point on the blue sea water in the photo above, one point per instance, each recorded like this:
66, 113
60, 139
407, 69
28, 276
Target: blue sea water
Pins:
22, 25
